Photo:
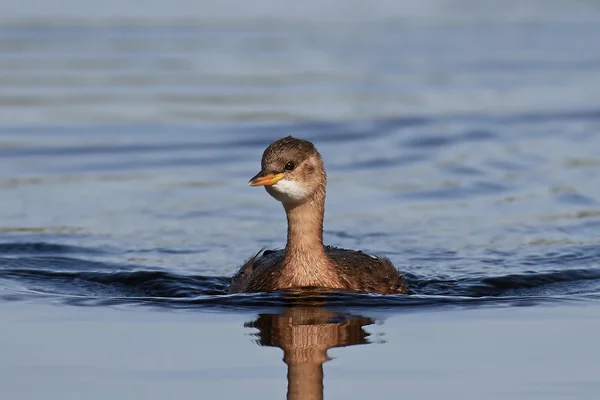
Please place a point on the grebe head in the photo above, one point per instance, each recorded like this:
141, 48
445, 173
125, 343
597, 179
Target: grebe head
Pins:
292, 171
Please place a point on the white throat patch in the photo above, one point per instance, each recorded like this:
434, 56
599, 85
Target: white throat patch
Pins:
288, 191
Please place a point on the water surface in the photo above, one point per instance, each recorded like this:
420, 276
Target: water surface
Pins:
459, 142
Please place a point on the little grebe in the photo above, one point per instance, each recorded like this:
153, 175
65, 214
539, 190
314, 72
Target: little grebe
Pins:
293, 173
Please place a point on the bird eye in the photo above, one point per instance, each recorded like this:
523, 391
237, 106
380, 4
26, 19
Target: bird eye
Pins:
289, 166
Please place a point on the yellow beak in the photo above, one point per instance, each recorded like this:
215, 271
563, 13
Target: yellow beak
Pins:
265, 179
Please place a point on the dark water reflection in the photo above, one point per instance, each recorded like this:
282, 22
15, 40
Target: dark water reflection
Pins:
305, 334
55, 274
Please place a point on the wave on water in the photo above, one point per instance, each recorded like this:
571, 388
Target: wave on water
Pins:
30, 271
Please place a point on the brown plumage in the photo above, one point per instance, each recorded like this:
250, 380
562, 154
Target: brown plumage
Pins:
293, 173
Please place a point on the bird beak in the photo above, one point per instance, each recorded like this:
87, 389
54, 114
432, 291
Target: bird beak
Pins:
265, 179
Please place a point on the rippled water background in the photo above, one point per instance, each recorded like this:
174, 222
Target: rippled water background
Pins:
461, 140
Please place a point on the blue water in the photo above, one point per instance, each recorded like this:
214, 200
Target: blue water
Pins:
460, 139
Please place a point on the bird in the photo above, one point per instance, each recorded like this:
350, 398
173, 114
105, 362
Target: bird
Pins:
293, 172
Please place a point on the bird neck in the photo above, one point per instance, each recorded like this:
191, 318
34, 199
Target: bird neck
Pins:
305, 257
305, 226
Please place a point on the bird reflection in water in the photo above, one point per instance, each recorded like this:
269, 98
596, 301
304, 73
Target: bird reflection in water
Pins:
305, 334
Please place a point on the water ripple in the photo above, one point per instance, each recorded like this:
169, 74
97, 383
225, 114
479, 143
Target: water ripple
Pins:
78, 281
